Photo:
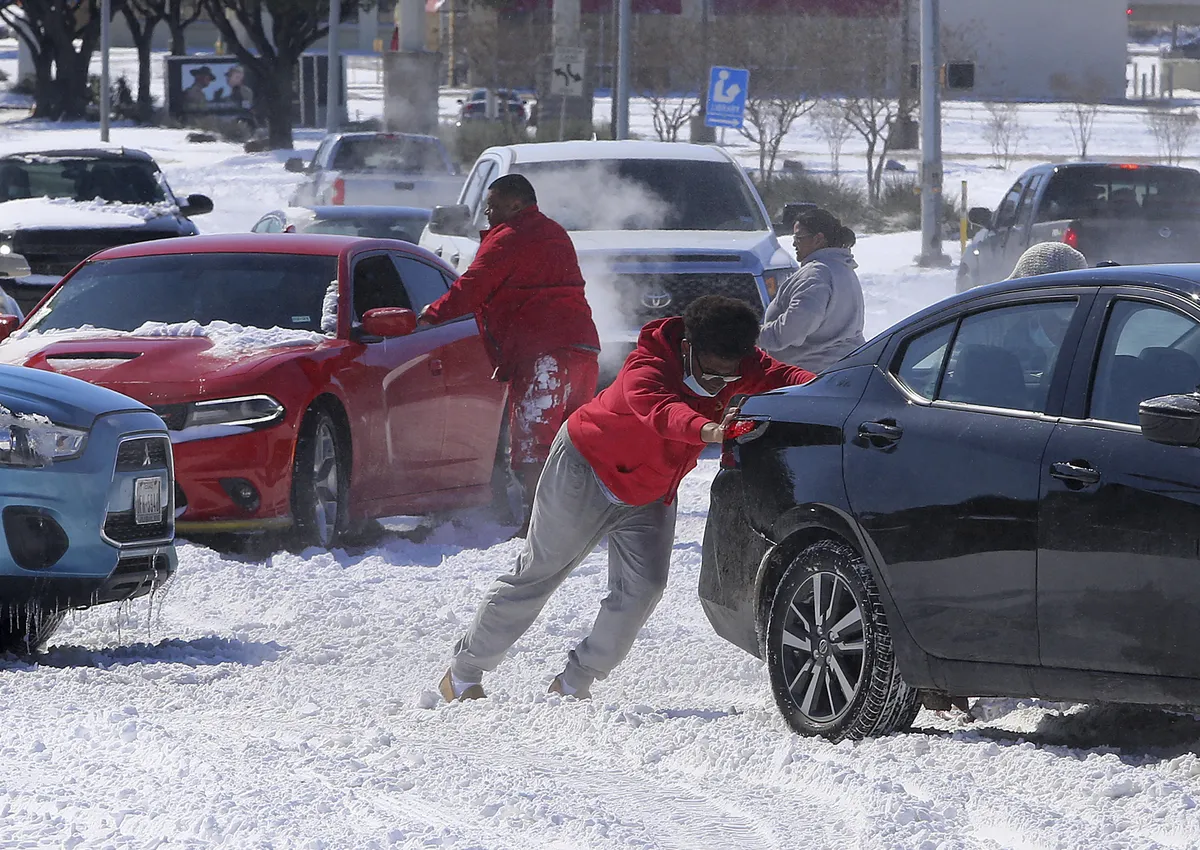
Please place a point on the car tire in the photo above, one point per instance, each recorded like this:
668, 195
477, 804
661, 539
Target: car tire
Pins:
829, 649
506, 499
320, 481
25, 630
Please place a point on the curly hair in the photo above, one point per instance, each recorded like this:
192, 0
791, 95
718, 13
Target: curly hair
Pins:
820, 220
720, 326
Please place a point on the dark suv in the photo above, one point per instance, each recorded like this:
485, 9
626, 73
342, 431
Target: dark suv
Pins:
59, 207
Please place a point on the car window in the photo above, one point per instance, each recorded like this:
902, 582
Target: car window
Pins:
424, 283
1121, 191
1147, 351
268, 225
389, 152
480, 211
377, 284
922, 359
473, 188
79, 178
1025, 211
1006, 213
1005, 357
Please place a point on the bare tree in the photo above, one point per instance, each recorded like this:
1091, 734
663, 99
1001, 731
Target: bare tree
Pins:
142, 17
1003, 131
1080, 109
1173, 132
178, 15
829, 117
671, 114
768, 120
872, 117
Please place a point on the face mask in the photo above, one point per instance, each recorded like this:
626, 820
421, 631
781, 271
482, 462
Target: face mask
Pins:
689, 380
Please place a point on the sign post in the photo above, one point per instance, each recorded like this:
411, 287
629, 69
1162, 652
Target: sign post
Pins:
566, 79
726, 102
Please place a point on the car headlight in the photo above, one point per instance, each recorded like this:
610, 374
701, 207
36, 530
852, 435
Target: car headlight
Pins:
30, 441
252, 411
774, 278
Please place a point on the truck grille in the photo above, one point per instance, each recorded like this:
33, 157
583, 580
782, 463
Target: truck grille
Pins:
656, 296
143, 454
56, 252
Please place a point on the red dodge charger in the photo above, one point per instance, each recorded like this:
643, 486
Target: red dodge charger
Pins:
290, 373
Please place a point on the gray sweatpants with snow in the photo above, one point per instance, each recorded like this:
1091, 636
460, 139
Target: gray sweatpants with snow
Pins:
571, 513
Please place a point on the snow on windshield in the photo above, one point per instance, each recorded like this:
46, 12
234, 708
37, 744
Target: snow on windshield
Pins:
68, 214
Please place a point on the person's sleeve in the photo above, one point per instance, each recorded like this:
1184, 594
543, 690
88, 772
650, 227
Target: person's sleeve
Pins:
775, 374
661, 408
490, 268
806, 307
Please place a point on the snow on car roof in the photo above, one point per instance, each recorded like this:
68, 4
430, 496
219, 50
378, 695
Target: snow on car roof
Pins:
100, 151
69, 214
630, 149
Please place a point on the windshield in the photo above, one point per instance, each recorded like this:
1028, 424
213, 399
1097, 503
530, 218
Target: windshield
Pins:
81, 179
1121, 191
254, 290
644, 194
406, 228
404, 154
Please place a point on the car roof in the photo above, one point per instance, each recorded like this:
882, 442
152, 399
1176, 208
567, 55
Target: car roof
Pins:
1122, 164
387, 135
90, 153
625, 149
363, 211
312, 244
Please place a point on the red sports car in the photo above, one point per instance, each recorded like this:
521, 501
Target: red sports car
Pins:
290, 372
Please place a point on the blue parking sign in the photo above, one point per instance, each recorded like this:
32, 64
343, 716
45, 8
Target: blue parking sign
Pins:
726, 106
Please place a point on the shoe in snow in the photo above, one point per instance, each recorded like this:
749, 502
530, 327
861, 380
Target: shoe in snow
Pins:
451, 694
558, 686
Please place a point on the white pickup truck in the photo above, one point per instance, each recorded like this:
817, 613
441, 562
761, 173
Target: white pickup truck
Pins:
389, 169
655, 225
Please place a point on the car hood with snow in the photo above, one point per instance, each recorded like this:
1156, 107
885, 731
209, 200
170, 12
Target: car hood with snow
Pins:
61, 399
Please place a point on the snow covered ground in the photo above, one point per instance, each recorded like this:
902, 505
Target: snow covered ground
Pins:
287, 700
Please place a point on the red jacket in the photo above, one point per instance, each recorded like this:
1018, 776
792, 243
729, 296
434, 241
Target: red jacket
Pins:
642, 434
526, 292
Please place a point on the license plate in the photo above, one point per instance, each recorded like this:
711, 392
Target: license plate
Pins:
147, 501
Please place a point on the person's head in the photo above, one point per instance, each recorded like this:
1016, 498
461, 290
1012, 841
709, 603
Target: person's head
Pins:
202, 76
1048, 258
235, 76
818, 228
507, 196
718, 333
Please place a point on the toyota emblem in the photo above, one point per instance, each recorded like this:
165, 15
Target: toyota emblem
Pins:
1164, 232
656, 300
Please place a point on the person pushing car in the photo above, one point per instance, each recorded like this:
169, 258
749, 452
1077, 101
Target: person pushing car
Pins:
613, 471
527, 293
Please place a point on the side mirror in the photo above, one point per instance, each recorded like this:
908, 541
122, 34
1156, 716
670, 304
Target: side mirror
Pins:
196, 205
8, 324
295, 164
13, 265
980, 216
451, 220
389, 321
1173, 420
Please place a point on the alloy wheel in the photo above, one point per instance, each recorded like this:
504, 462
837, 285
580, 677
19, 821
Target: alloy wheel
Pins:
823, 648
326, 484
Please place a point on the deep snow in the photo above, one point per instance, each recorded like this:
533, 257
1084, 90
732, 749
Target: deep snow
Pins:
287, 700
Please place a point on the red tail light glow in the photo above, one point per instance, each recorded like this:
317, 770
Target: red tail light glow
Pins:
339, 192
1129, 166
1071, 237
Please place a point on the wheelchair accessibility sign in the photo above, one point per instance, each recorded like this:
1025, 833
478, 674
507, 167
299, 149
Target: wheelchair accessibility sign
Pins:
726, 106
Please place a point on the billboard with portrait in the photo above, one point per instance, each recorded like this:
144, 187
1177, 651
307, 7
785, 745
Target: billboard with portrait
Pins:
199, 85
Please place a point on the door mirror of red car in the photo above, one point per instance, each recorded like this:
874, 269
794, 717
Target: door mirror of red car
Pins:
1173, 420
8, 324
389, 321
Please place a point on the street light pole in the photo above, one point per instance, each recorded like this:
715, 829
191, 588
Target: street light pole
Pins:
333, 72
624, 17
105, 44
931, 138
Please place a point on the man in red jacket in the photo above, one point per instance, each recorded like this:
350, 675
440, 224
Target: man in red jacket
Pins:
613, 470
526, 292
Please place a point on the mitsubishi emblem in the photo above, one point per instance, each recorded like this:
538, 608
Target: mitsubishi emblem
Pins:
146, 460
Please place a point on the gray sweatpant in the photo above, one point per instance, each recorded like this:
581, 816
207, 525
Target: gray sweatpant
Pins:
571, 513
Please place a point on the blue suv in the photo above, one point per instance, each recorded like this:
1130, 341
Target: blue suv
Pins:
86, 502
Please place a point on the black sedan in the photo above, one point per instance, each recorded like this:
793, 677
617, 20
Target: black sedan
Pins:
999, 496
382, 222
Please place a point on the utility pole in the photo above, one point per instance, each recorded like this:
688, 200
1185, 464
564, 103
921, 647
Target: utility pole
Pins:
333, 73
931, 139
105, 45
624, 18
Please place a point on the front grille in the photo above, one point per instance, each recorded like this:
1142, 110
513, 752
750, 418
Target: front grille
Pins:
56, 252
656, 296
145, 453
122, 527
140, 564
135, 577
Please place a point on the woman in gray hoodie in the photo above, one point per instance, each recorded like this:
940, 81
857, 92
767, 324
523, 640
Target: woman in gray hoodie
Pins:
816, 317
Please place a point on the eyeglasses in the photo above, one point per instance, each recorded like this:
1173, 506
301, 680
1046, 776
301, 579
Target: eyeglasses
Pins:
799, 235
729, 379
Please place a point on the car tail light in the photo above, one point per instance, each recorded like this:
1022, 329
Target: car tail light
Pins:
1071, 237
738, 432
339, 192
1129, 166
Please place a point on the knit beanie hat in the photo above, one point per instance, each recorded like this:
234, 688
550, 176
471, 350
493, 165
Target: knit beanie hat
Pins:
1047, 258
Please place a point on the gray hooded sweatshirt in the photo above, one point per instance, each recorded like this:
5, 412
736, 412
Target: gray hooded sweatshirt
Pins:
816, 317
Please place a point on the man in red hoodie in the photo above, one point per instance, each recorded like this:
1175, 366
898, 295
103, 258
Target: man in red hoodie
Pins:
613, 470
526, 292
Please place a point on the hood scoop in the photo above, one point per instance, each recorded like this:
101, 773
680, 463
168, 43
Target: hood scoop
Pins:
89, 359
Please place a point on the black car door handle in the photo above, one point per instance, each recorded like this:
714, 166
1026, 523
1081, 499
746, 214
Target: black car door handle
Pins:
1074, 472
880, 432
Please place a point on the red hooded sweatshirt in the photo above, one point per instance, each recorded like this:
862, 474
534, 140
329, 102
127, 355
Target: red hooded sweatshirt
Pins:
642, 434
526, 292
